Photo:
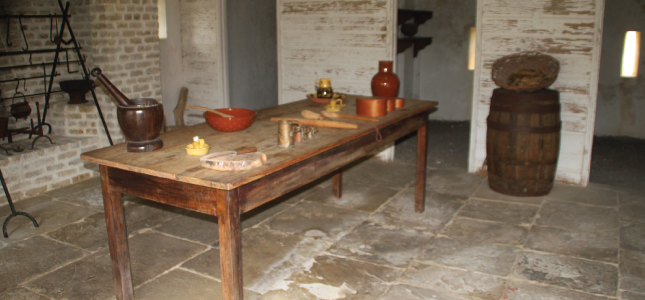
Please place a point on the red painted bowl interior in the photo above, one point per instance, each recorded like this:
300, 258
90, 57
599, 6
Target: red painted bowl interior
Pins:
242, 119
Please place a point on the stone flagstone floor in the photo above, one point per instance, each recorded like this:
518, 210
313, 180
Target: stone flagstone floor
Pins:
470, 243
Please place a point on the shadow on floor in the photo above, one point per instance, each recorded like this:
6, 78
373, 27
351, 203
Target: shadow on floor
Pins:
615, 161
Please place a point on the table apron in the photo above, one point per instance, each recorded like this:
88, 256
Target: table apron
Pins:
176, 193
290, 178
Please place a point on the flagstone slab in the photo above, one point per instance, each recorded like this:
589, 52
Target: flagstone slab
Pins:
568, 272
399, 212
454, 281
382, 244
486, 231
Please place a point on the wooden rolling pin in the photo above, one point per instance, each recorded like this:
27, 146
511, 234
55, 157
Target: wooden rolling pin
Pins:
331, 114
319, 123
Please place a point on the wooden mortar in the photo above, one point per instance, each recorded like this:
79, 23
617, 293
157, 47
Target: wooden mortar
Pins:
141, 120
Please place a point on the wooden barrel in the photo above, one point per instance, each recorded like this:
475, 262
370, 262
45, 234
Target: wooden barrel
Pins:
523, 141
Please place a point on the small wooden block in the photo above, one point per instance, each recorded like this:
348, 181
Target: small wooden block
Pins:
231, 161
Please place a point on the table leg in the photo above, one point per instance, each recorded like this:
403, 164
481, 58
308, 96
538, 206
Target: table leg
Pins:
337, 184
422, 153
230, 244
118, 239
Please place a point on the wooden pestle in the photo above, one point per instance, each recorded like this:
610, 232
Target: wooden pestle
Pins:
116, 93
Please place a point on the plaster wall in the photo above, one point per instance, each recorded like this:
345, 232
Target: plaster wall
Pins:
440, 71
171, 62
202, 57
252, 53
341, 40
621, 101
570, 31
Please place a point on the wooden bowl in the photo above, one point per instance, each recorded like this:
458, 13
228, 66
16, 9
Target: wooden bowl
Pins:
242, 119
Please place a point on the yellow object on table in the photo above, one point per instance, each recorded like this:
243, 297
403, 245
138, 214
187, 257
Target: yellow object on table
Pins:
198, 147
335, 105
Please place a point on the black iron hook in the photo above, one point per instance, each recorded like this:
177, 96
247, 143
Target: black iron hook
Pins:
16, 94
23, 35
67, 58
44, 77
17, 85
52, 38
8, 29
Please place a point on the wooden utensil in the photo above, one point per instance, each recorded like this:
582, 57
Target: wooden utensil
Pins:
211, 110
319, 123
231, 161
311, 115
331, 114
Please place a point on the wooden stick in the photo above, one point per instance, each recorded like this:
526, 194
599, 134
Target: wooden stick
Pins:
331, 114
211, 110
319, 123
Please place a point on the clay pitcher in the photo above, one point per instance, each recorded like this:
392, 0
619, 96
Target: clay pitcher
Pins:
385, 83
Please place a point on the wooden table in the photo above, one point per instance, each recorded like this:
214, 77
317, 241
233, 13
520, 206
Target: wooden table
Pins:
172, 177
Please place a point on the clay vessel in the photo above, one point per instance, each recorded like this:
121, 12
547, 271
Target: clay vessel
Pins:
141, 119
385, 83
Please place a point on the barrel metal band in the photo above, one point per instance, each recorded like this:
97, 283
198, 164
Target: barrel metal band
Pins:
525, 109
521, 97
499, 159
523, 129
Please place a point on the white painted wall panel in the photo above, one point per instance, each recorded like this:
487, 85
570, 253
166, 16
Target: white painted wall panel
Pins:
341, 40
202, 56
570, 31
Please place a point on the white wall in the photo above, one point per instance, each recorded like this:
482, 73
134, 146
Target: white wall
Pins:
252, 53
170, 60
621, 101
569, 30
341, 40
440, 71
203, 56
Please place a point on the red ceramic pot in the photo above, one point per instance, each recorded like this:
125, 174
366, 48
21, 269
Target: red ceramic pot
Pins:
385, 83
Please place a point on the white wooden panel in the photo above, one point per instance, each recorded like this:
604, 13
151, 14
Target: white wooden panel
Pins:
341, 40
543, 26
563, 8
569, 30
349, 7
202, 55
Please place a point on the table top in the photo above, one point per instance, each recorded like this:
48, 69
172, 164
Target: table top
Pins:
172, 162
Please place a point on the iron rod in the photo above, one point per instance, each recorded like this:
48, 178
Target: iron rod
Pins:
33, 16
33, 51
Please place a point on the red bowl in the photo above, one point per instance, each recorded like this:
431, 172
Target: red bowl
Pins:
242, 119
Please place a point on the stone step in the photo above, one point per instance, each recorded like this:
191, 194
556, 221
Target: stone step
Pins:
29, 172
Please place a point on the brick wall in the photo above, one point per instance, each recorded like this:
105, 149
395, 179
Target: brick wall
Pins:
120, 37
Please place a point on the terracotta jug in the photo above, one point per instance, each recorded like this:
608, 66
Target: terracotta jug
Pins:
385, 83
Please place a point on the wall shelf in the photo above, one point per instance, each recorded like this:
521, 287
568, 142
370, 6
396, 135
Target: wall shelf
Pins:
418, 43
410, 29
419, 16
